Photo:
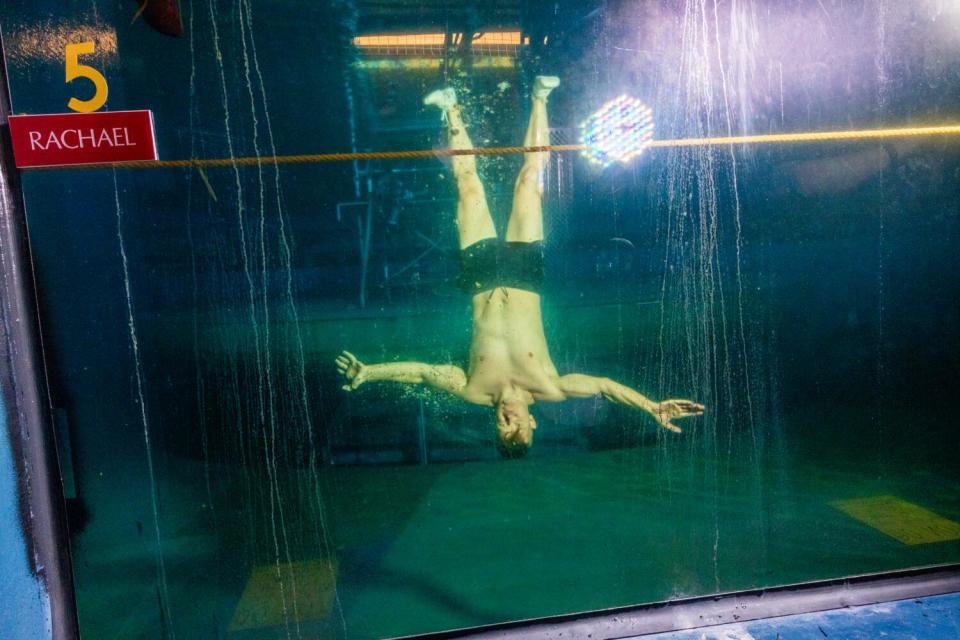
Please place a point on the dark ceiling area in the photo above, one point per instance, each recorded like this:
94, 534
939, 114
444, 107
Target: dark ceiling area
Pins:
457, 15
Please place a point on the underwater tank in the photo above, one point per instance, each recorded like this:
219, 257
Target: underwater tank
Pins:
651, 301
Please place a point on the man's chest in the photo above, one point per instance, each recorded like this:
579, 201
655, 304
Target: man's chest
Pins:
494, 364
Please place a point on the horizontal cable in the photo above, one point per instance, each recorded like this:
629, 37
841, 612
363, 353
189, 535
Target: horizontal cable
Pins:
808, 136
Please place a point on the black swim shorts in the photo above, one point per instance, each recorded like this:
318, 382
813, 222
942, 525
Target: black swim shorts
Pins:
492, 263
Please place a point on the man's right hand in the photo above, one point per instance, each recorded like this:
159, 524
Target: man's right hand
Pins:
352, 369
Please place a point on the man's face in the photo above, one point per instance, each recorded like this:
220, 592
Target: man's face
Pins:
515, 425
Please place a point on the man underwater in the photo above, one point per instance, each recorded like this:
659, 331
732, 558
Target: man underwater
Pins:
510, 366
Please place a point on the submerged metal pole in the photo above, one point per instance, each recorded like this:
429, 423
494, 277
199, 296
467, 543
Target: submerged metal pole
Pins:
28, 418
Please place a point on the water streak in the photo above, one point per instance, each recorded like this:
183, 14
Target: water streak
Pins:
163, 592
286, 261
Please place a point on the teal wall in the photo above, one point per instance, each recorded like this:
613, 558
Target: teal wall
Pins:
24, 603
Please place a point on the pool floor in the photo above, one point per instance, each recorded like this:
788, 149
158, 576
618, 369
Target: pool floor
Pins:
410, 549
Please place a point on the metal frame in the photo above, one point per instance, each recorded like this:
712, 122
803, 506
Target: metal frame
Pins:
23, 384
365, 227
716, 609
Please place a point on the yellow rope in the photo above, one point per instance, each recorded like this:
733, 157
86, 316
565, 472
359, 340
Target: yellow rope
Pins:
814, 136
808, 136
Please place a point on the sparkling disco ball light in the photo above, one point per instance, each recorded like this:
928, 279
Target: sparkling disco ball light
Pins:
618, 131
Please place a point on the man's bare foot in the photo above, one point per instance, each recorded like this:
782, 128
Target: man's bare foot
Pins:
543, 85
443, 99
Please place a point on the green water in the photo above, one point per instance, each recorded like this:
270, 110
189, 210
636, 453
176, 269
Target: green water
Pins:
806, 294
448, 546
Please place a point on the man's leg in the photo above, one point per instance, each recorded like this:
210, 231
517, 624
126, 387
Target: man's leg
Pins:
526, 216
473, 215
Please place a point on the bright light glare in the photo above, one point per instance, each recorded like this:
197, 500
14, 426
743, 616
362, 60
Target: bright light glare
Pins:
619, 131
489, 38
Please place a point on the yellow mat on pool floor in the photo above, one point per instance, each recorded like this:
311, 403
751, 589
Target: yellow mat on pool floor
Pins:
905, 521
269, 592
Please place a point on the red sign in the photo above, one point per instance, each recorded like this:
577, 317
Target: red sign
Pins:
82, 138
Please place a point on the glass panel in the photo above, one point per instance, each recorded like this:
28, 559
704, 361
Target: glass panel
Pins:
220, 479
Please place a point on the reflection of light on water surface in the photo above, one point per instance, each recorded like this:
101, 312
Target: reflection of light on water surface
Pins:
48, 43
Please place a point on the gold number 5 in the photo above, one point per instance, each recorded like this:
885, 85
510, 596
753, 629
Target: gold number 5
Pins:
77, 70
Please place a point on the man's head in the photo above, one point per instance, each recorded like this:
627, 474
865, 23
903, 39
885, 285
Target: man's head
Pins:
515, 427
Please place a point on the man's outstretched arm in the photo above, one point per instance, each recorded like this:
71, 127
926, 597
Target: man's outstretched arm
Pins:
444, 377
577, 385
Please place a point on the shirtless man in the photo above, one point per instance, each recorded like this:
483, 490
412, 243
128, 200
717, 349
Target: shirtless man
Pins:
510, 366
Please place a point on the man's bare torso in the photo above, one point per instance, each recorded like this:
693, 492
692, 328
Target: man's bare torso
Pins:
509, 347
510, 365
